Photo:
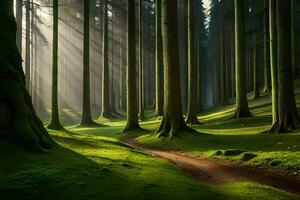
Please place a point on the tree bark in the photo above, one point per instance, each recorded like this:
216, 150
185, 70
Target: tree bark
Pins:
159, 62
106, 112
19, 20
27, 45
242, 108
287, 110
267, 74
132, 104
273, 57
173, 121
55, 123
141, 64
18, 120
86, 118
192, 70
183, 51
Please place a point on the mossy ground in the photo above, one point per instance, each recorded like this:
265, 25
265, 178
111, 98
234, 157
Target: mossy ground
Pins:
92, 163
219, 133
92, 167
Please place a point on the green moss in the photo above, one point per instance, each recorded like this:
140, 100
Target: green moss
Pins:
87, 166
233, 152
248, 156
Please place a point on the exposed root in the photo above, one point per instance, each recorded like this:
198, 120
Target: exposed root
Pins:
168, 130
239, 114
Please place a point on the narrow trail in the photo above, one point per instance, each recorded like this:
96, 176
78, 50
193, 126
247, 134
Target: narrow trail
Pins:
218, 172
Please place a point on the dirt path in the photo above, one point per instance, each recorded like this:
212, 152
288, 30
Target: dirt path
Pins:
217, 172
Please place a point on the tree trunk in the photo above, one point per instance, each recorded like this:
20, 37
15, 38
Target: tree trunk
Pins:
55, 123
141, 64
242, 109
267, 74
192, 93
287, 110
19, 20
173, 121
183, 52
273, 57
294, 44
113, 74
255, 69
255, 55
18, 121
159, 63
106, 112
27, 45
132, 104
86, 118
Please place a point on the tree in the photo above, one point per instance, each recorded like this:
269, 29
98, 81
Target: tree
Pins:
159, 62
192, 78
18, 120
27, 45
141, 64
173, 121
183, 50
106, 112
132, 104
256, 88
19, 20
287, 110
242, 108
266, 47
55, 123
273, 59
86, 118
201, 55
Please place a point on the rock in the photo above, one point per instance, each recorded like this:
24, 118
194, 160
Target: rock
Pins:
248, 156
218, 153
233, 152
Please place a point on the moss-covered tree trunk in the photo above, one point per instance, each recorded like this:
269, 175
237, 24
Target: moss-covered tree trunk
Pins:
106, 112
55, 123
273, 59
159, 62
242, 108
18, 120
287, 110
192, 68
132, 103
86, 118
141, 64
173, 121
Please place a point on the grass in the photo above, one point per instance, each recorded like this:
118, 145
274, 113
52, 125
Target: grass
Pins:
92, 163
219, 134
91, 167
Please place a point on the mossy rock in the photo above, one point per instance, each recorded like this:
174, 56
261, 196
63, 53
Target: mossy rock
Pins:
233, 152
275, 163
248, 156
218, 153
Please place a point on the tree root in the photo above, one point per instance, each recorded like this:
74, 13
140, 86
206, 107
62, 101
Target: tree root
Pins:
168, 130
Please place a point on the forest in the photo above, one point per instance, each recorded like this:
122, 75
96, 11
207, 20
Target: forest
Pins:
149, 99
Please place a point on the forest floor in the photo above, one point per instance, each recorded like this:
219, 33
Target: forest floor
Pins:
226, 159
220, 172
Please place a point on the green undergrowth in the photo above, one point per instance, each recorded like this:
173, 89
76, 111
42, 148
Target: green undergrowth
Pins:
219, 133
90, 167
